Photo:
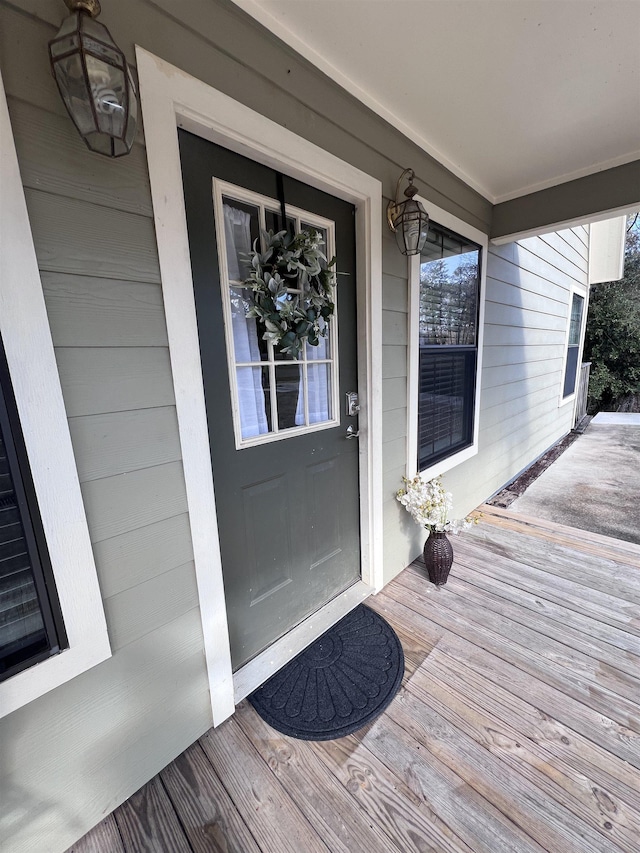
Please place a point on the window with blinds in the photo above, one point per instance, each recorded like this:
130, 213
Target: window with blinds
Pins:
448, 344
573, 345
30, 621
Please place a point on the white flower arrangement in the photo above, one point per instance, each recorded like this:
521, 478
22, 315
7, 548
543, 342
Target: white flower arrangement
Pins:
430, 505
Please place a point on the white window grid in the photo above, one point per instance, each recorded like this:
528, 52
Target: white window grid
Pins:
224, 190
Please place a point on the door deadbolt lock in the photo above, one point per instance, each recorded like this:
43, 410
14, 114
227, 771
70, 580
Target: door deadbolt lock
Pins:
353, 404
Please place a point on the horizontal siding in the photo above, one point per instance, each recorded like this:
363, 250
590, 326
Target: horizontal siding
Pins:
129, 559
527, 309
506, 374
100, 312
570, 252
120, 184
118, 379
143, 609
394, 362
394, 424
538, 257
395, 293
119, 504
394, 393
74, 236
515, 316
121, 442
510, 272
494, 356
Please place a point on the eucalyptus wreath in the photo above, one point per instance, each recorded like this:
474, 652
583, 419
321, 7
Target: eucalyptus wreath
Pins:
292, 263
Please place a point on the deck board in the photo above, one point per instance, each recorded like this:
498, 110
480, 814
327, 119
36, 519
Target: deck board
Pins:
516, 729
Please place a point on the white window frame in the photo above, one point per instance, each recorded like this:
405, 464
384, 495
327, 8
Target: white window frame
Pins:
232, 191
447, 220
36, 385
581, 290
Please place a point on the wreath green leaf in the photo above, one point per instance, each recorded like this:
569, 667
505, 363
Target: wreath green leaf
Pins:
292, 289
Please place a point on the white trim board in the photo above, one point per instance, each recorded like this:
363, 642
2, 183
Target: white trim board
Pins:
34, 374
170, 99
448, 220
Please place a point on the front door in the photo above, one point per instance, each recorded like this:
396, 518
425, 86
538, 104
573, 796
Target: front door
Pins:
285, 474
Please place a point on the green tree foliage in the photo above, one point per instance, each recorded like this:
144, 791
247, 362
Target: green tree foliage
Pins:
612, 341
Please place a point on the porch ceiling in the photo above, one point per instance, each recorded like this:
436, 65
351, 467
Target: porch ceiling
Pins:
511, 95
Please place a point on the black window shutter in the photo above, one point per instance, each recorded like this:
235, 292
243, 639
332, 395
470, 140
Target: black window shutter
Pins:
31, 627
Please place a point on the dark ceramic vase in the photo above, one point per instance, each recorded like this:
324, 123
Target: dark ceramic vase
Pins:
438, 557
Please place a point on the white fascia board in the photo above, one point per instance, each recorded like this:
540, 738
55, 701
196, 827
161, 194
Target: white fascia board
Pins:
606, 250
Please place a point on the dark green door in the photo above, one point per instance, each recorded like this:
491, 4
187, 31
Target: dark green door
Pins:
285, 474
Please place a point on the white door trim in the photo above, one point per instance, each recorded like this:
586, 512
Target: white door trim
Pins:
171, 99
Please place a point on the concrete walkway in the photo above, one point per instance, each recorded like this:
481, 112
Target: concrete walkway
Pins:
595, 484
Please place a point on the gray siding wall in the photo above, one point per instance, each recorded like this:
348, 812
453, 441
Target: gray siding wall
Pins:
528, 300
73, 755
528, 296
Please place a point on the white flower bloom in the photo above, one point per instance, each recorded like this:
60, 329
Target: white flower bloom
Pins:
430, 505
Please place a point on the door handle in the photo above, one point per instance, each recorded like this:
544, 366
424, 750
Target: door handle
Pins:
352, 433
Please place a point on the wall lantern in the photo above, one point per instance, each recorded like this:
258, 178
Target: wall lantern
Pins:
94, 81
408, 219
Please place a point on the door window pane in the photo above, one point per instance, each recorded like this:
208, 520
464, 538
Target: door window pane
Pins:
319, 392
254, 402
283, 393
249, 348
288, 393
273, 222
242, 228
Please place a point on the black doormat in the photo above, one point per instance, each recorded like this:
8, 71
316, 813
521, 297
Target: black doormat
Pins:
338, 684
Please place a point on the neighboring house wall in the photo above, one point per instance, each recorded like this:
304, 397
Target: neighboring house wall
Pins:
77, 752
528, 297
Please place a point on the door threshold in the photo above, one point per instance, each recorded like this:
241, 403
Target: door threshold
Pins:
250, 676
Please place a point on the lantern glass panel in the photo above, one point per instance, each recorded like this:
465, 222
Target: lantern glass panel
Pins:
103, 144
72, 84
108, 88
69, 26
94, 29
113, 57
133, 113
64, 45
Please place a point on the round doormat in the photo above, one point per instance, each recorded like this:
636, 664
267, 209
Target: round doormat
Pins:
339, 683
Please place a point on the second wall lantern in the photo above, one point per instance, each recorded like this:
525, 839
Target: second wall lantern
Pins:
94, 80
408, 219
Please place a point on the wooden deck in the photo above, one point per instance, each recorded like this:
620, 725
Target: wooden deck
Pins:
517, 729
